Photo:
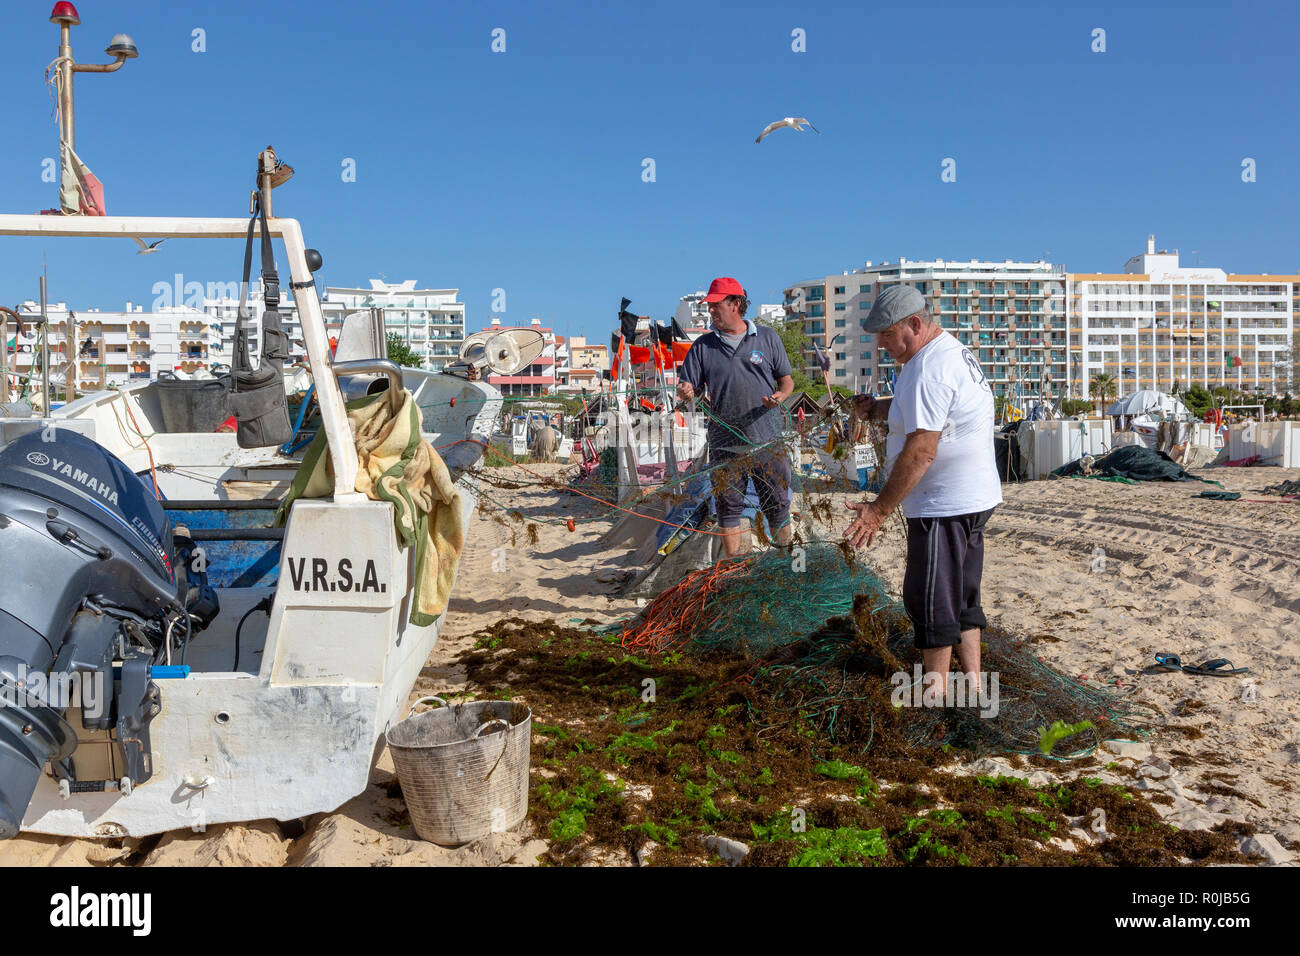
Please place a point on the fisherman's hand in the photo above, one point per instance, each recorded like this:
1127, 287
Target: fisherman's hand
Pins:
685, 392
773, 400
862, 532
864, 406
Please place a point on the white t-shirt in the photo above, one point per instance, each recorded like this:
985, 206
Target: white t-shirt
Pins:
942, 389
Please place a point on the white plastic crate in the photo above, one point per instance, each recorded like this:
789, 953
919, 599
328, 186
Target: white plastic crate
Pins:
1058, 443
1276, 443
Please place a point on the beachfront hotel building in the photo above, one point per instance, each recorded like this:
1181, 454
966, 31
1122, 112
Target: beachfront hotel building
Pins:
1009, 314
112, 348
430, 321
1159, 324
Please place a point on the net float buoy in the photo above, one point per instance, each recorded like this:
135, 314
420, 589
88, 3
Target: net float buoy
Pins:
570, 524
453, 403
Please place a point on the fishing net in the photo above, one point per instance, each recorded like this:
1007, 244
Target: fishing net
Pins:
758, 604
837, 655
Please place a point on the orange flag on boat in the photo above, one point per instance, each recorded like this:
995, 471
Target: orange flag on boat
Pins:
80, 191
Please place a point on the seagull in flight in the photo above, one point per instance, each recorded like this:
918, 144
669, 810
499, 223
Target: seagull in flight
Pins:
794, 122
147, 249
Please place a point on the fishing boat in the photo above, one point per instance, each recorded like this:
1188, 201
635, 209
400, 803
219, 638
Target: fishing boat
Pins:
299, 647
173, 656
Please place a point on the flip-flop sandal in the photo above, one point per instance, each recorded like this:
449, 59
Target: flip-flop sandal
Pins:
1219, 667
1167, 662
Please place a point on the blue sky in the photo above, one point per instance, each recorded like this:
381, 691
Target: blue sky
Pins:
523, 170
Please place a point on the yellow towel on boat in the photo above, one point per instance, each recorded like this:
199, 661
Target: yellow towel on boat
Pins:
395, 464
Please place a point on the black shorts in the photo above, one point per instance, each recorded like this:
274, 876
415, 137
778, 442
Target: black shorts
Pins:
941, 586
772, 474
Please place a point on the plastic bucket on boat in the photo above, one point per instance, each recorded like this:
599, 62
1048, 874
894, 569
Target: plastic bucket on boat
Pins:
463, 768
195, 405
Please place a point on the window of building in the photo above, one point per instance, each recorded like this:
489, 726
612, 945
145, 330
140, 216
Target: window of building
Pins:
864, 305
864, 288
840, 323
839, 306
839, 290
840, 373
864, 339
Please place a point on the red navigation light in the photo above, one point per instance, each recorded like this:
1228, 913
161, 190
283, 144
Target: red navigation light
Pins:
64, 12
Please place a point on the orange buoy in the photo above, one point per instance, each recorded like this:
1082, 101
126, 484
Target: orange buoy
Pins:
570, 524
453, 403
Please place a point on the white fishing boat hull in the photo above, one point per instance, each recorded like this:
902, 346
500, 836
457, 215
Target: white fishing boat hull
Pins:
300, 735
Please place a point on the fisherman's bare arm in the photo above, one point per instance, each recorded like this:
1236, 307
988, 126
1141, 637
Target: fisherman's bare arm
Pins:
913, 462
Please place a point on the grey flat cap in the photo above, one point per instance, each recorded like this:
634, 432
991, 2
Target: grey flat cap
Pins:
893, 305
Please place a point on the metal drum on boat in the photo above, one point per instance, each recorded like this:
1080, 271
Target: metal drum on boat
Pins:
463, 768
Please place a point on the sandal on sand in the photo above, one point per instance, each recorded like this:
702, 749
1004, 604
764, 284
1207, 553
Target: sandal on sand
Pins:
1219, 667
1167, 662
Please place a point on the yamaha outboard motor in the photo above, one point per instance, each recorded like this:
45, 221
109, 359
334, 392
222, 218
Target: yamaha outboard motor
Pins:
89, 599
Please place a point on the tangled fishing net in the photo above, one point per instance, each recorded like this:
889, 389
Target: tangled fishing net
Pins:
837, 653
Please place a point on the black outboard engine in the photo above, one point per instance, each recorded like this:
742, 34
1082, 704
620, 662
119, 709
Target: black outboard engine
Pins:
89, 599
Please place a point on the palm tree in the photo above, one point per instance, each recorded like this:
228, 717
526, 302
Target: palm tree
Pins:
1103, 386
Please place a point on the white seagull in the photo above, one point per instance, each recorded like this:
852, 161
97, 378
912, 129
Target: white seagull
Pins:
794, 122
147, 249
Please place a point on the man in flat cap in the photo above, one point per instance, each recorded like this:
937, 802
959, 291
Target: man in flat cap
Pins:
747, 374
942, 471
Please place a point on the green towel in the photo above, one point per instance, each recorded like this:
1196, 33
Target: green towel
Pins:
1219, 495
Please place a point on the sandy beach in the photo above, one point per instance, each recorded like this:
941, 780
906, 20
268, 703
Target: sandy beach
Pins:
1099, 576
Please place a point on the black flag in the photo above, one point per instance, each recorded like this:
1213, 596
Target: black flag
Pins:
627, 322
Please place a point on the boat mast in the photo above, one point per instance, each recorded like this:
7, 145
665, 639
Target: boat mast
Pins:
121, 48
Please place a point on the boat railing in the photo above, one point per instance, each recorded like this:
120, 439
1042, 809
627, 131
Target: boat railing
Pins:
328, 392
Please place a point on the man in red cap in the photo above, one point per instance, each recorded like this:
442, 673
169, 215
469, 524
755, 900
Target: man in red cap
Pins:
744, 369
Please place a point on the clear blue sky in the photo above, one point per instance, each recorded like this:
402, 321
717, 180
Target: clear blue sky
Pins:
522, 170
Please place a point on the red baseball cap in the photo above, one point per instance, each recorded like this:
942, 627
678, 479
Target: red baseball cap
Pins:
719, 289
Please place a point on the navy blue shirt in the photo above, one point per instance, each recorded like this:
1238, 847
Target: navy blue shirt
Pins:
737, 380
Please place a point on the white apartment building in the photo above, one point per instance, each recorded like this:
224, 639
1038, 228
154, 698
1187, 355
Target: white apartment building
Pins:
113, 348
1009, 314
430, 321
1159, 323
